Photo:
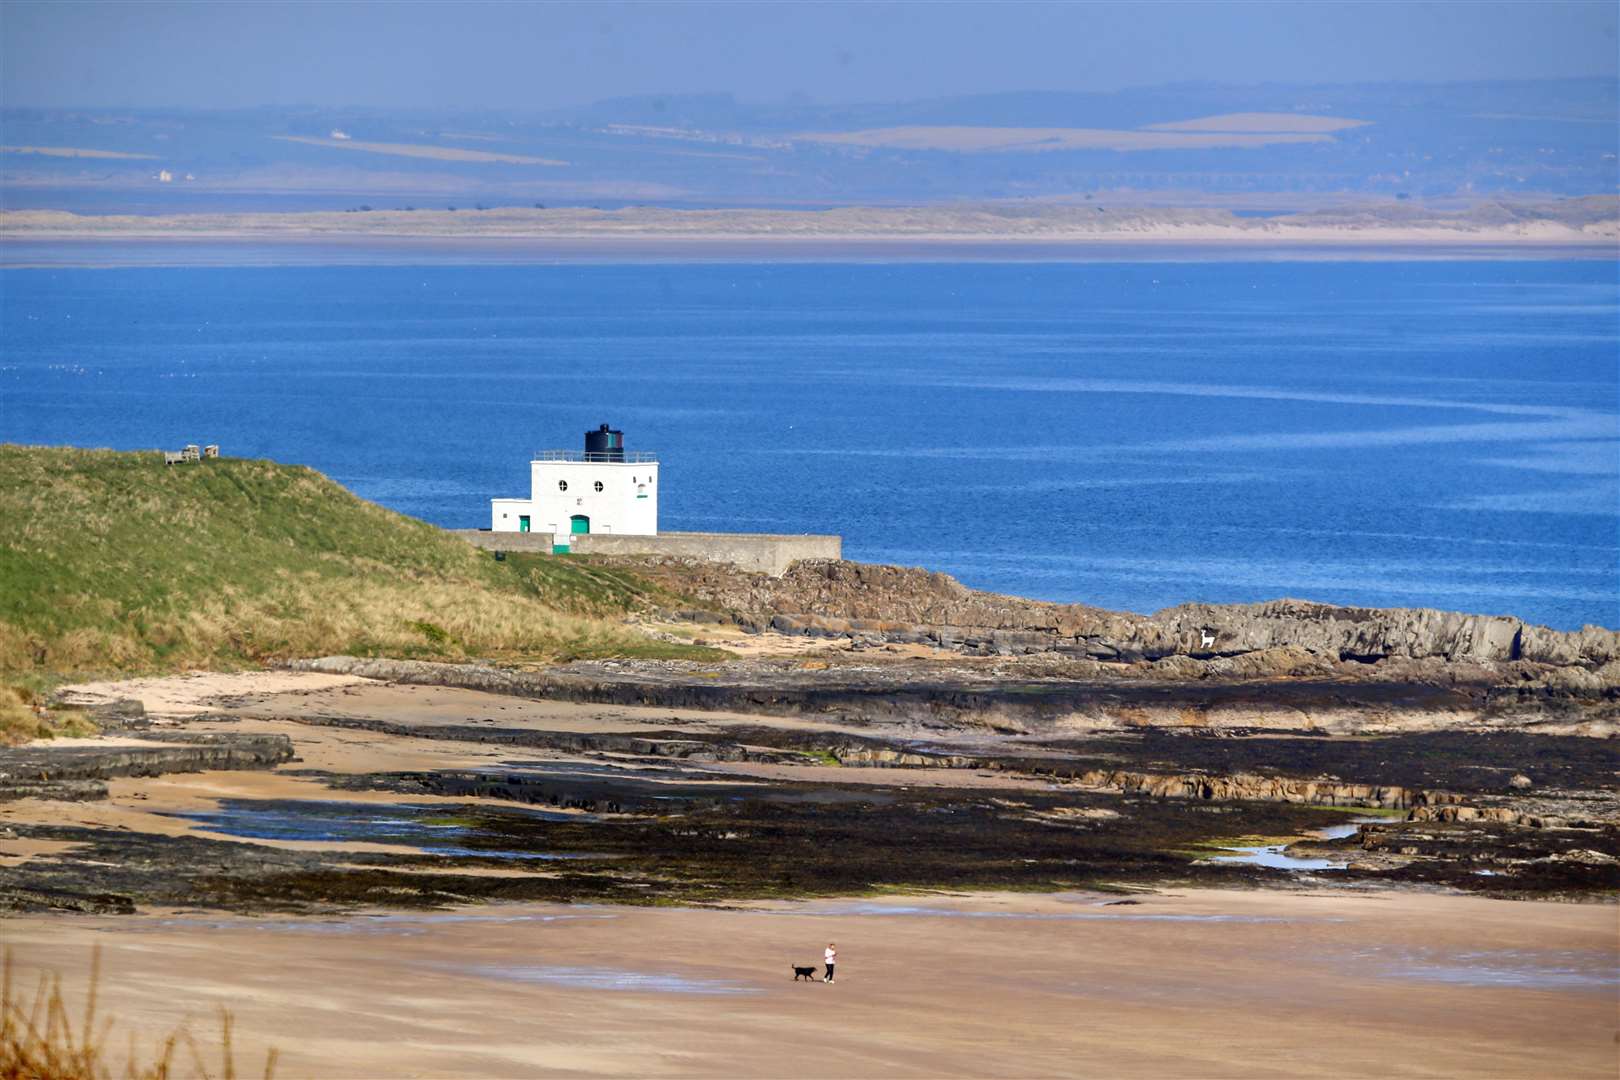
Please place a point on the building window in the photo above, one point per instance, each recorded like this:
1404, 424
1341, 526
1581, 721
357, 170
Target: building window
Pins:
562, 485
599, 485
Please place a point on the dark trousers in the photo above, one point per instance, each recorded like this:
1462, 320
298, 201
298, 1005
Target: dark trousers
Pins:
829, 972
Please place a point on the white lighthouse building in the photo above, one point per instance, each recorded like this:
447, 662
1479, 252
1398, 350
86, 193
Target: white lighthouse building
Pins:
602, 490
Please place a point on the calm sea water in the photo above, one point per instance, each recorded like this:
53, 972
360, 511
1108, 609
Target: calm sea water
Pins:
1129, 435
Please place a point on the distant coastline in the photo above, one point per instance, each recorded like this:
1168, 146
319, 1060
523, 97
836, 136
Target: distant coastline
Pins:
409, 251
1585, 228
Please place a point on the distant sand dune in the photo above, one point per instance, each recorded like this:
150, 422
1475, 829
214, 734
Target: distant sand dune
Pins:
1261, 121
416, 150
74, 152
1003, 139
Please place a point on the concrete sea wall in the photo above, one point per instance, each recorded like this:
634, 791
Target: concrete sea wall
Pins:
764, 553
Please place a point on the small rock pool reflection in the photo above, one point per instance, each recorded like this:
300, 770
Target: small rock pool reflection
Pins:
1273, 855
434, 830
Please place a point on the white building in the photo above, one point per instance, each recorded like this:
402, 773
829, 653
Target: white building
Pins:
600, 490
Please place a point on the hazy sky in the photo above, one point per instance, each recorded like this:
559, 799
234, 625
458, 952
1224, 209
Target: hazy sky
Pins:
430, 53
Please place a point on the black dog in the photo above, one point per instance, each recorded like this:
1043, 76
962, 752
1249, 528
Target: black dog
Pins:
804, 973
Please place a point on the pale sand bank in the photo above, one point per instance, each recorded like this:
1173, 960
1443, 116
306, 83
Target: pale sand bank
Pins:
280, 703
278, 694
1590, 220
1202, 984
199, 691
101, 253
1575, 228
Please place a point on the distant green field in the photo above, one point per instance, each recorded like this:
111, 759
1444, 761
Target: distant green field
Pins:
114, 562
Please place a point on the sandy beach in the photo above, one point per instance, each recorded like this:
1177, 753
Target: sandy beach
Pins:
1208, 984
1302, 977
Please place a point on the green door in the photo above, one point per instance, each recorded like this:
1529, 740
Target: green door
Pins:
579, 525
523, 523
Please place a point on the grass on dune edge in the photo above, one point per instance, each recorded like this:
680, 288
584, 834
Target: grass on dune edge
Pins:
112, 562
42, 1037
25, 716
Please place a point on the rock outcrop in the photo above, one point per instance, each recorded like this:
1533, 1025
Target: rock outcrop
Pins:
1024, 695
80, 772
835, 598
1502, 815
675, 745
1322, 792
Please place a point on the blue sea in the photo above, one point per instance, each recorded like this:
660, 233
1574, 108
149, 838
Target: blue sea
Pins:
1131, 435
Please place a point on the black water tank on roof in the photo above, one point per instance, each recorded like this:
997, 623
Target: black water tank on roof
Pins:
604, 444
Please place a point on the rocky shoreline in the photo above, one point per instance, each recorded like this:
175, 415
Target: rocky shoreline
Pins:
527, 798
80, 772
1036, 694
929, 737
906, 605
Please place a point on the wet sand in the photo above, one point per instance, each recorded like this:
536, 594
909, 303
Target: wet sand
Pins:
1201, 984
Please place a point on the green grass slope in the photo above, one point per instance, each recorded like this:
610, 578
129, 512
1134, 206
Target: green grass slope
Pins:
113, 561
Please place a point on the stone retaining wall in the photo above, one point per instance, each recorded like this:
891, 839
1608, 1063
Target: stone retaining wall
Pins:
766, 553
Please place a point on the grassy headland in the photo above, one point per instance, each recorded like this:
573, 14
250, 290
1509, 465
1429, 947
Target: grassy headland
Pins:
113, 562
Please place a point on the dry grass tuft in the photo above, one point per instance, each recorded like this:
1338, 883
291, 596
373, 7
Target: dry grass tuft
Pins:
23, 717
39, 1039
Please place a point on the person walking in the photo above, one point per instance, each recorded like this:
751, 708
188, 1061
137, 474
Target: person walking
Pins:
830, 957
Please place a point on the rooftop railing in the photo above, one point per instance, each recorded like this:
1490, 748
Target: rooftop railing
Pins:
626, 457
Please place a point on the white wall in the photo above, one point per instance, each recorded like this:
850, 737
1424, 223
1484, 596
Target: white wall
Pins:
626, 505
504, 514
